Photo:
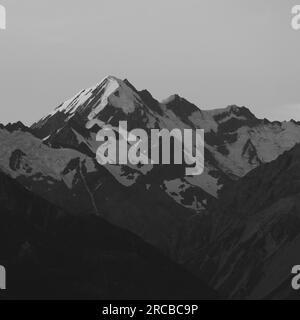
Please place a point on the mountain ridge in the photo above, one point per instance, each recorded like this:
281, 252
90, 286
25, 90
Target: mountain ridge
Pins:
52, 254
192, 220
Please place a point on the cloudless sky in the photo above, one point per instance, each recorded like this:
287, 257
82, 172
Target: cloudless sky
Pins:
212, 52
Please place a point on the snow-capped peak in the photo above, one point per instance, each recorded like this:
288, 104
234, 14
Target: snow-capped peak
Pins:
170, 99
111, 90
117, 93
232, 111
236, 140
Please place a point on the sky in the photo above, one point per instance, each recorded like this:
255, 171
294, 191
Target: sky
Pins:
212, 52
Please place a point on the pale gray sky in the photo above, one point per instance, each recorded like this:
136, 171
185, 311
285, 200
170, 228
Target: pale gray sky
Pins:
212, 52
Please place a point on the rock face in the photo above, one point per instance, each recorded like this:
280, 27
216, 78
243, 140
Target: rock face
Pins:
49, 253
236, 141
211, 223
255, 237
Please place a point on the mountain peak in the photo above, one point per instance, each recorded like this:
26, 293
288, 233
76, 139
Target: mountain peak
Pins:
240, 110
117, 93
234, 108
172, 98
111, 79
16, 126
232, 111
111, 90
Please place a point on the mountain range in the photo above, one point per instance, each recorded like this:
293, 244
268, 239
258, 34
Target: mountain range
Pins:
235, 226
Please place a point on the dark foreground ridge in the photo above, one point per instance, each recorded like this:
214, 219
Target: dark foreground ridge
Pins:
50, 254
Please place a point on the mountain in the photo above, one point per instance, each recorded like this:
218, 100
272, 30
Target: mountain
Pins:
77, 183
236, 141
255, 240
51, 254
190, 219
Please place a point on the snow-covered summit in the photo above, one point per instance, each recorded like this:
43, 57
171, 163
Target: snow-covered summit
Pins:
236, 141
110, 90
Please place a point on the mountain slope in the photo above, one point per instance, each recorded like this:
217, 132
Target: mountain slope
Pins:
256, 236
51, 254
81, 186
